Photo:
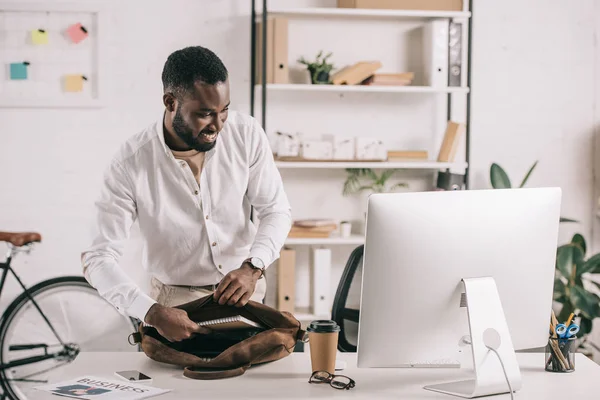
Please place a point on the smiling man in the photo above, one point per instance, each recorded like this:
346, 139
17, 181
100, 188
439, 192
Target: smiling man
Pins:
190, 180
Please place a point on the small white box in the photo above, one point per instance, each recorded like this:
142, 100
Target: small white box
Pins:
343, 147
287, 145
370, 149
317, 150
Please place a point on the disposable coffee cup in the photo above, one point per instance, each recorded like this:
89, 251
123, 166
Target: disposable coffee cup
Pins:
323, 339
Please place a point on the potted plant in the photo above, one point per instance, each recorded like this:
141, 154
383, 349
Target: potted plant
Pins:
319, 69
575, 276
360, 179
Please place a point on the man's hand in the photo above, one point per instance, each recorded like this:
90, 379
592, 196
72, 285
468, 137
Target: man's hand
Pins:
238, 286
172, 323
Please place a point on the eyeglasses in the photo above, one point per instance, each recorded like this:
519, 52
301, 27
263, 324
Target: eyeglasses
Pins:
335, 381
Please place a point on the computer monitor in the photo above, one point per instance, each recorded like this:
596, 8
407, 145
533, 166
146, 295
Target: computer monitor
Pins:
419, 246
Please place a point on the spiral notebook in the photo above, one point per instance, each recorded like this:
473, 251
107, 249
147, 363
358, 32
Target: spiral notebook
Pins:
230, 323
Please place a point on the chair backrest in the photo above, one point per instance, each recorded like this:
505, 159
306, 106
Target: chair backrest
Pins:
345, 310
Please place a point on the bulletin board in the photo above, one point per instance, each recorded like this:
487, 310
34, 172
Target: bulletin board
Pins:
50, 55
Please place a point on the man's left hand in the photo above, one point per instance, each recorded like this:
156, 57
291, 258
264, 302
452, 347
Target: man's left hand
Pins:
238, 286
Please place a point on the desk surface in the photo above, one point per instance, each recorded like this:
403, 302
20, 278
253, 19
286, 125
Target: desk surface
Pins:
288, 378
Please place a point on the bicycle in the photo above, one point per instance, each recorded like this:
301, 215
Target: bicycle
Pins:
46, 326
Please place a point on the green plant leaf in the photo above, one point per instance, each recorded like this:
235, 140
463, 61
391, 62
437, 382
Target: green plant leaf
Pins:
585, 327
528, 174
585, 302
559, 290
567, 257
498, 177
591, 265
595, 261
580, 241
564, 219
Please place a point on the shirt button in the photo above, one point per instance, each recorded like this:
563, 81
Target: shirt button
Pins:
214, 244
206, 216
182, 165
195, 192
220, 266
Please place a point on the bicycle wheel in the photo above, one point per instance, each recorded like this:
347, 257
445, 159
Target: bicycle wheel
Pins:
79, 316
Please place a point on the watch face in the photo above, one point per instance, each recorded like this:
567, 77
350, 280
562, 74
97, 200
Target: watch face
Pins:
257, 262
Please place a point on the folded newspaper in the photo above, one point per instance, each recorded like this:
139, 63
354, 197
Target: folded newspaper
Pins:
91, 387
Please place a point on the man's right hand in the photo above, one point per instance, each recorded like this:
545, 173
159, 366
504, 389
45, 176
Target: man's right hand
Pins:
172, 323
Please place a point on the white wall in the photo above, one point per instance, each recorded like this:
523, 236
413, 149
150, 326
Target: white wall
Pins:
534, 92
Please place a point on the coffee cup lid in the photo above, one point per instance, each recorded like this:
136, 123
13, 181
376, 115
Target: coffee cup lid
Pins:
323, 326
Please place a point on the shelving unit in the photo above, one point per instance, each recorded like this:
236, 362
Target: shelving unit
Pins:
362, 89
352, 240
259, 93
330, 12
422, 165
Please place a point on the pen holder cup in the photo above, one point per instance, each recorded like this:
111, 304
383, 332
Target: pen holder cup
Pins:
560, 354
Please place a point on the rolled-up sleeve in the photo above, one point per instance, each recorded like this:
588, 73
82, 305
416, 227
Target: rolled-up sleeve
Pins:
267, 196
115, 214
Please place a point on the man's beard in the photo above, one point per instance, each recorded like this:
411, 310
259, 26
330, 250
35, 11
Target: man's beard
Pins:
185, 133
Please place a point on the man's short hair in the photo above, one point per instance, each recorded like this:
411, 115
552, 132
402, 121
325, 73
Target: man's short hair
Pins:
191, 64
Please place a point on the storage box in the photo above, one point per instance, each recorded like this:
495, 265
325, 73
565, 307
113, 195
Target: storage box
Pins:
437, 5
370, 149
317, 150
287, 145
277, 51
343, 147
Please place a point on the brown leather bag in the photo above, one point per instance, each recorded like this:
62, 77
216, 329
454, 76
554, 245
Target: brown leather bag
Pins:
224, 354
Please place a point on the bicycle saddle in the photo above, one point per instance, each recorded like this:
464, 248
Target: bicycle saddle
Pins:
20, 238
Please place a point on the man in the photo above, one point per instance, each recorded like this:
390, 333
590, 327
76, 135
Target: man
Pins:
190, 180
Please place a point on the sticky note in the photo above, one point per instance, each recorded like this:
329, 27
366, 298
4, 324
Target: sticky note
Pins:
39, 36
18, 71
77, 32
74, 83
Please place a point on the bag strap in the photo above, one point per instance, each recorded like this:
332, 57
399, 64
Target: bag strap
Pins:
198, 373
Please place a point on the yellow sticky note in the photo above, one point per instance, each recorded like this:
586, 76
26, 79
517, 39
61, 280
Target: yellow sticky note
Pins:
39, 36
74, 83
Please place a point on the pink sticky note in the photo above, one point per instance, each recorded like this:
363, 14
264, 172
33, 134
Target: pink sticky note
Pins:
77, 32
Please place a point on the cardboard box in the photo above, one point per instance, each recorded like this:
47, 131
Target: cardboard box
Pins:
429, 5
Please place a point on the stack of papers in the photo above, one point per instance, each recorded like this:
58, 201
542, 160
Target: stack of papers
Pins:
91, 387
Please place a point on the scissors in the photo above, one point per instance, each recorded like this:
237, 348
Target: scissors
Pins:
565, 332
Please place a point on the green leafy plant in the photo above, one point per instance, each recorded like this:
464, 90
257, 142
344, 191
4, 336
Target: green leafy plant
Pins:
574, 275
319, 69
360, 179
500, 180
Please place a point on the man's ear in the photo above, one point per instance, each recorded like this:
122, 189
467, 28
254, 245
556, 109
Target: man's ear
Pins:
170, 102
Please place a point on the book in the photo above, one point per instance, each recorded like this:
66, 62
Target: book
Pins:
230, 323
312, 223
387, 79
399, 155
454, 131
92, 387
355, 74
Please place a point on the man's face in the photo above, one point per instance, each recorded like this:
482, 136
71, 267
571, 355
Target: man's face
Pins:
199, 116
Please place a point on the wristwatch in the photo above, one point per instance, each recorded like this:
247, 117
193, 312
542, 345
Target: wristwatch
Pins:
256, 263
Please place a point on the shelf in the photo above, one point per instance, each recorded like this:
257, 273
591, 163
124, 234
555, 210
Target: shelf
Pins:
362, 88
423, 165
366, 13
352, 240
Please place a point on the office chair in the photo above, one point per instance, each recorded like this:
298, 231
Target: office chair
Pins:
345, 313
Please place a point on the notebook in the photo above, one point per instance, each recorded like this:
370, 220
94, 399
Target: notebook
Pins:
230, 323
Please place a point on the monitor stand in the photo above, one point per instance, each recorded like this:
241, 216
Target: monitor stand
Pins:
487, 324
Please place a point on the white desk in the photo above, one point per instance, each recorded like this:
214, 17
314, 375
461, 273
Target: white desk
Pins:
288, 378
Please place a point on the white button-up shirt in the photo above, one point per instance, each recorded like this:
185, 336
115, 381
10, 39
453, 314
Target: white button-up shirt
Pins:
192, 234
